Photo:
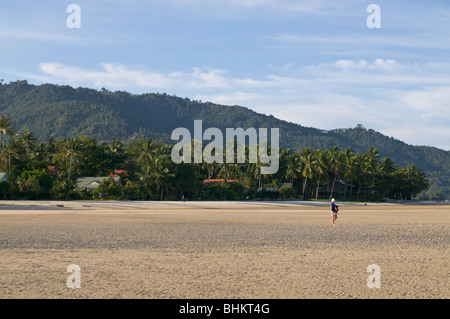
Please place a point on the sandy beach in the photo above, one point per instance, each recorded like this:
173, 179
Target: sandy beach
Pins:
222, 249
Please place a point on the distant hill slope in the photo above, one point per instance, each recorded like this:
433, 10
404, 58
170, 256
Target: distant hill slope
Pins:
62, 111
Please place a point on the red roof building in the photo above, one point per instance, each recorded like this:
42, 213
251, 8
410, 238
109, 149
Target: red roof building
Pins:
119, 173
220, 181
52, 170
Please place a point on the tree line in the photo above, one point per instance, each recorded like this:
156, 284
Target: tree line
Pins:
148, 172
62, 112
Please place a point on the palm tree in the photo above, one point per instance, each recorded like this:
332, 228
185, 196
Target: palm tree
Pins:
385, 170
363, 172
416, 180
12, 150
351, 171
5, 128
292, 167
386, 167
337, 165
254, 170
308, 162
30, 144
146, 151
117, 148
348, 154
229, 171
71, 149
321, 167
156, 173
371, 167
211, 169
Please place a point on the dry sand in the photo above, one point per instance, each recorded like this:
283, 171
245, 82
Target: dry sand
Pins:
222, 250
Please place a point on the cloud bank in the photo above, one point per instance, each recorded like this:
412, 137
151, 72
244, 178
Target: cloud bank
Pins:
382, 94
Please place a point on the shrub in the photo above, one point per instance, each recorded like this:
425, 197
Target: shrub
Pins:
108, 189
135, 191
28, 179
287, 192
31, 188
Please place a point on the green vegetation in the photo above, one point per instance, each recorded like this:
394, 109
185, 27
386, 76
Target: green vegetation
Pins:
56, 114
148, 172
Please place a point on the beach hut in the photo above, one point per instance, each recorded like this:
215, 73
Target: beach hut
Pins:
3, 177
91, 183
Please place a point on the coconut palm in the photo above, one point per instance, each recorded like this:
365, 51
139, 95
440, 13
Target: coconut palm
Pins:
30, 145
348, 154
5, 129
11, 151
370, 168
385, 170
292, 167
157, 173
351, 172
365, 173
415, 181
71, 149
254, 171
337, 165
321, 167
146, 151
308, 162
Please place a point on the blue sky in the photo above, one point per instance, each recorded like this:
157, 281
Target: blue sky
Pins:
315, 63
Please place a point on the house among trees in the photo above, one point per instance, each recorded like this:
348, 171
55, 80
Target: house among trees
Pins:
143, 170
221, 181
52, 170
217, 181
91, 183
3, 177
119, 173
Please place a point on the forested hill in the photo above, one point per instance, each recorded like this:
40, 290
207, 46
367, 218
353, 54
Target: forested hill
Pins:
62, 111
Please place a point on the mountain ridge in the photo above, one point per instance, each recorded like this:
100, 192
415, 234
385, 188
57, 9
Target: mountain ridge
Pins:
62, 111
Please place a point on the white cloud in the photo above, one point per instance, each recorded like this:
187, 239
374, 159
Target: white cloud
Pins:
317, 6
433, 103
408, 101
233, 98
437, 136
115, 76
357, 42
26, 34
377, 64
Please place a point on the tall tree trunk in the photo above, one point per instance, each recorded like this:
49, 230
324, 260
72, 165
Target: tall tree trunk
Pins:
304, 187
332, 188
351, 190
317, 189
359, 191
259, 186
70, 166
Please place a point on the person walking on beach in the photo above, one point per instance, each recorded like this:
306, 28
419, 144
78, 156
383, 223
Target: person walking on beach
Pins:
334, 211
